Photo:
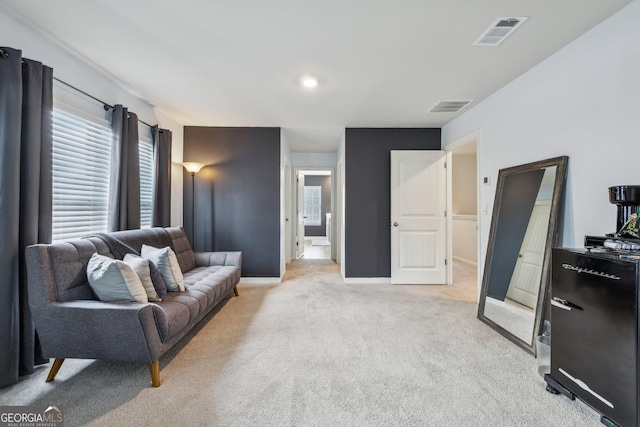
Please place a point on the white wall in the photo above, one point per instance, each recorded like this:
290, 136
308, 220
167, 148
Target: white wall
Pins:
313, 160
464, 177
464, 206
71, 70
584, 102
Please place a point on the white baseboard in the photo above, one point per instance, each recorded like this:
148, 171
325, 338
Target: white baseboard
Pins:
260, 280
465, 261
367, 280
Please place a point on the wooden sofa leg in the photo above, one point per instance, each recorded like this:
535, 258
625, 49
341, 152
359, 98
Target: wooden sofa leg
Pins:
154, 368
235, 291
54, 369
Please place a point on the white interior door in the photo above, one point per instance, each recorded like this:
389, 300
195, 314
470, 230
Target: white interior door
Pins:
525, 281
418, 217
300, 215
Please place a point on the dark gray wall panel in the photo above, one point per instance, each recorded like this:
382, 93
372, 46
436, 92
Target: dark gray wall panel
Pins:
325, 183
368, 193
237, 203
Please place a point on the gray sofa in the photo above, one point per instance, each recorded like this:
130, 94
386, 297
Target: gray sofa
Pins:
72, 323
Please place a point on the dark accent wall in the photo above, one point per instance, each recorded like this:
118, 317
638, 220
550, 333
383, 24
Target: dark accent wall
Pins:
325, 183
368, 193
237, 194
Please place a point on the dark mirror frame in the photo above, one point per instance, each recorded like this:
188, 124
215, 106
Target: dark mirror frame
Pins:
553, 235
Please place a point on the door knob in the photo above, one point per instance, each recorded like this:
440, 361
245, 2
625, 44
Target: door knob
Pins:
395, 224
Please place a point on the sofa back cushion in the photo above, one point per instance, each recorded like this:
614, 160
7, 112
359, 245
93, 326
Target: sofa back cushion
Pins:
156, 237
69, 267
182, 248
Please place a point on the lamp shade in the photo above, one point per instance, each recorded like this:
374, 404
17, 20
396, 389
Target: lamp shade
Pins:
193, 167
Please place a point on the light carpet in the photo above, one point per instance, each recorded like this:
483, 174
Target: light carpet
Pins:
314, 351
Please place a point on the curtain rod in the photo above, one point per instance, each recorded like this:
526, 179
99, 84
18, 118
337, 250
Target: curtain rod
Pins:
106, 106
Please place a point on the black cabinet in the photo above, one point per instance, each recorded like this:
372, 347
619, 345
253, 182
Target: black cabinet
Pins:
594, 339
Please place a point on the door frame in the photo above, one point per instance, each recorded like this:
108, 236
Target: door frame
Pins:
474, 136
294, 204
287, 210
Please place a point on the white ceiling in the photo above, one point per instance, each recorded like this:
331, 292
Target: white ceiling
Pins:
381, 63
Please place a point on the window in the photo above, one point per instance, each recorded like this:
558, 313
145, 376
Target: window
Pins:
145, 151
312, 205
81, 165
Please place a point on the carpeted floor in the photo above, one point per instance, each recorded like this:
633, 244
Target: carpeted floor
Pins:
314, 351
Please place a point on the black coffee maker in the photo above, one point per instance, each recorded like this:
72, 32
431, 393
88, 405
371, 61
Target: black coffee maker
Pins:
627, 198
626, 236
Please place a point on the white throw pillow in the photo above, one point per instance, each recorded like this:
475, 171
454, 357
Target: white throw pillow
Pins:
114, 280
141, 267
167, 262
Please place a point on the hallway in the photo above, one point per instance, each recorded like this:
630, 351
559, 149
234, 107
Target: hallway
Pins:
316, 247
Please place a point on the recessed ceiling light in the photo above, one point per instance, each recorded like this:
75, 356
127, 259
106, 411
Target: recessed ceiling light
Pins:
309, 82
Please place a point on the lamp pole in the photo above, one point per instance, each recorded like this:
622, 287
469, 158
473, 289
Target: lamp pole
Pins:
193, 209
193, 168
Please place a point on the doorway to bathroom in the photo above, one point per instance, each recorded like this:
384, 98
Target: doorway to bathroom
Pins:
314, 230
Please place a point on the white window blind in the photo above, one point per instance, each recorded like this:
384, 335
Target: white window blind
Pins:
81, 165
145, 150
312, 205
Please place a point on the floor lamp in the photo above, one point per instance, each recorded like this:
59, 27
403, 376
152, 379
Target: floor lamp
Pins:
193, 168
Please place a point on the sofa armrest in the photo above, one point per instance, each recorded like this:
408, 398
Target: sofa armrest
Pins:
206, 259
88, 329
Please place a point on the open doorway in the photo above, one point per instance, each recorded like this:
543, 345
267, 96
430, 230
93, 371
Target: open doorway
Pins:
464, 221
314, 231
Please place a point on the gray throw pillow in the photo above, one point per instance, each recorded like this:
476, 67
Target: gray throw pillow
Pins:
114, 280
167, 262
141, 267
158, 281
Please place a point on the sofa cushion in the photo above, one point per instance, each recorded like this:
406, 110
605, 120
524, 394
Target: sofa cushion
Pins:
181, 246
69, 268
194, 302
213, 280
167, 263
114, 280
142, 268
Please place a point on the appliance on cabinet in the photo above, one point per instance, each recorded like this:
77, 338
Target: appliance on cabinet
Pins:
595, 318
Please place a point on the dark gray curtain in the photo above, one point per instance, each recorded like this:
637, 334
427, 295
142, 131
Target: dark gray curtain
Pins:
26, 201
161, 216
124, 190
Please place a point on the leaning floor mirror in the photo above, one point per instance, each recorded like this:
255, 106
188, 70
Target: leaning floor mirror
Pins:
524, 228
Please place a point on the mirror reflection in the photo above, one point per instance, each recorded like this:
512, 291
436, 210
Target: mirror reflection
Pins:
523, 229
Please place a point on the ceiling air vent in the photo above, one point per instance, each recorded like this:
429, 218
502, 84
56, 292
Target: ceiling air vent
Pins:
450, 106
500, 30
